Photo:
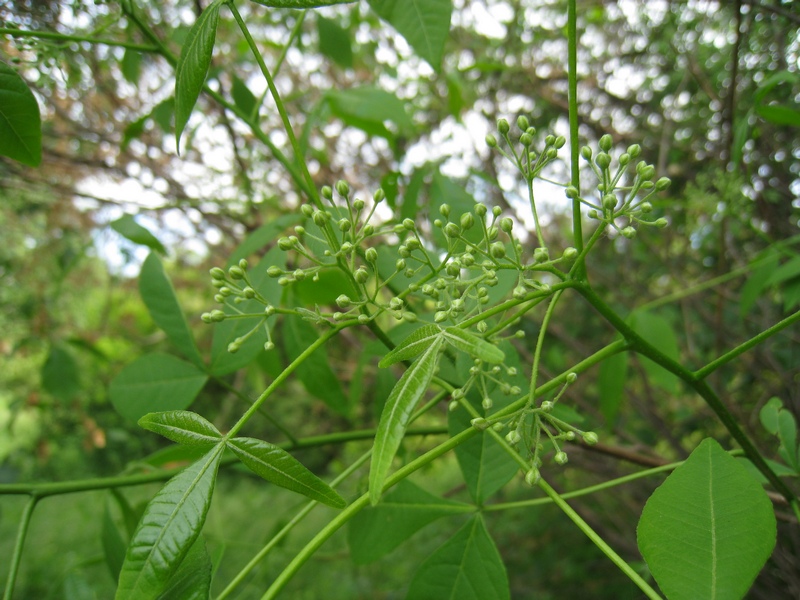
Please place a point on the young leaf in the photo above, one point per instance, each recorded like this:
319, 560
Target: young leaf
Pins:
162, 304
473, 345
192, 580
425, 24
170, 525
315, 373
181, 426
192, 67
154, 383
412, 346
769, 415
406, 509
128, 228
396, 414
281, 468
468, 567
20, 123
708, 529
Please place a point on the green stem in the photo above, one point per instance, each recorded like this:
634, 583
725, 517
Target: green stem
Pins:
236, 581
16, 557
638, 344
61, 37
537, 355
599, 541
348, 513
298, 154
742, 348
245, 398
574, 143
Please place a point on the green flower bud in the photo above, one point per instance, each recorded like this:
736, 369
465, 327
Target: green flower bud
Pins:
236, 273
663, 184
492, 232
371, 255
269, 346
437, 222
606, 142
219, 298
491, 141
467, 260
368, 229
520, 292
503, 127
480, 210
480, 423
572, 377
513, 437
629, 232
506, 224
497, 250
225, 291
206, 318
234, 346
514, 390
560, 141
284, 281
409, 224
487, 403
307, 210
440, 316
525, 140
570, 253
361, 275
482, 327
603, 160
363, 319
572, 192
453, 406
590, 437
342, 188
344, 225
452, 230
403, 251
467, 221
497, 211
444, 210
648, 185
379, 195
609, 201
586, 153
217, 273
410, 317
541, 255
326, 192
532, 477
661, 223
592, 214
217, 316
457, 305
249, 293
343, 301
453, 269
319, 218
300, 230
649, 172
522, 122
624, 159
337, 316
347, 248
269, 310
400, 264
634, 150
646, 207
551, 153
549, 140
561, 457
274, 271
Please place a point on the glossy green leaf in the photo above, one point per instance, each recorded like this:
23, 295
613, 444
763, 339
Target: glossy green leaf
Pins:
708, 529
778, 114
279, 467
20, 123
425, 24
170, 525
657, 331
377, 530
192, 580
223, 362
193, 64
396, 415
154, 383
128, 228
300, 3
611, 380
162, 304
334, 42
60, 374
181, 426
412, 346
315, 373
473, 345
467, 567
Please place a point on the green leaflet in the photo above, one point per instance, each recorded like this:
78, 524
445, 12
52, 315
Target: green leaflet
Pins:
611, 380
708, 529
281, 468
412, 346
192, 580
128, 228
396, 415
154, 383
181, 426
406, 509
20, 123
467, 567
170, 525
334, 42
60, 374
473, 345
162, 304
425, 24
192, 67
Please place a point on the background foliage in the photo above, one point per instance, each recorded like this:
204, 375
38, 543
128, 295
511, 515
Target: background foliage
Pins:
710, 92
